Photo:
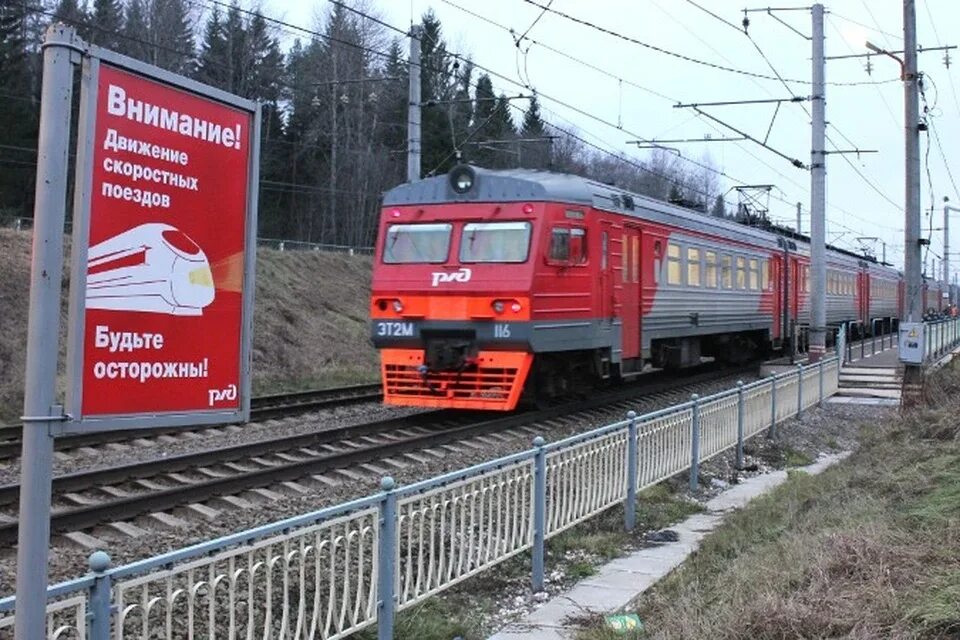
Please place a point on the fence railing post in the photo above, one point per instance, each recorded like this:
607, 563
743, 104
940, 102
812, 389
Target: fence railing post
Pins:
849, 341
799, 389
820, 381
741, 408
873, 337
695, 442
773, 405
100, 610
630, 507
539, 512
386, 606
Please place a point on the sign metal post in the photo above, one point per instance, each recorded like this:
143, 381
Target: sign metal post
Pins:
163, 258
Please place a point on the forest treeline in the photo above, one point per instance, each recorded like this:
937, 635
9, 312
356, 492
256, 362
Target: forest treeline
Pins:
335, 98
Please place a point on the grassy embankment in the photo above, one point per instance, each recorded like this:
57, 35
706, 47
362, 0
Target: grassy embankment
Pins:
869, 549
311, 321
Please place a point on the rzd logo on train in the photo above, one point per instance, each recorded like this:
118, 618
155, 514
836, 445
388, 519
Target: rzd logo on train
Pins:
460, 275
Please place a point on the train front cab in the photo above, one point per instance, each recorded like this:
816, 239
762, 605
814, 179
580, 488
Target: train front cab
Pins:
450, 304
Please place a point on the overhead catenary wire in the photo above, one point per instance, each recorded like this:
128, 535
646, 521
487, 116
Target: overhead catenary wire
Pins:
666, 98
680, 56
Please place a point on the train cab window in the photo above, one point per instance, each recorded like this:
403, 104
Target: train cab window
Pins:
495, 242
754, 274
741, 272
635, 261
674, 272
693, 267
726, 272
764, 274
568, 246
417, 243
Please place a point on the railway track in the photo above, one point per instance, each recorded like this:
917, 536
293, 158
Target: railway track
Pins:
262, 408
113, 496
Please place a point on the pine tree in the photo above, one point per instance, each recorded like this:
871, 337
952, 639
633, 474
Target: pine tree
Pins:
719, 208
134, 41
213, 65
393, 101
18, 117
676, 195
171, 36
534, 152
107, 23
437, 82
503, 133
73, 13
532, 122
485, 104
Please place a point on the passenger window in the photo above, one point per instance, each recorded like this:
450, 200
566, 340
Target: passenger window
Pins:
726, 271
636, 258
604, 249
578, 245
754, 274
657, 261
764, 274
693, 267
674, 273
741, 272
567, 246
710, 261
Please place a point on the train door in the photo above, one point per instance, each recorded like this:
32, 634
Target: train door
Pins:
606, 274
794, 289
863, 297
776, 274
630, 291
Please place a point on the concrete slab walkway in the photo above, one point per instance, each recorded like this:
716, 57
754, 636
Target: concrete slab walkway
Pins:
620, 582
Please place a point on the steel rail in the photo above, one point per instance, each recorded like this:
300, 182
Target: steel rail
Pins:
262, 408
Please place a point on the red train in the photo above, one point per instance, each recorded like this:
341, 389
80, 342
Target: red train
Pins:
488, 284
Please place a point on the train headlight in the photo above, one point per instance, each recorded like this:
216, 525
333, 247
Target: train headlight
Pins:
498, 306
398, 306
515, 307
462, 178
201, 276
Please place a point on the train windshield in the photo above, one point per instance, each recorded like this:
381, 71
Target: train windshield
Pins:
413, 243
495, 242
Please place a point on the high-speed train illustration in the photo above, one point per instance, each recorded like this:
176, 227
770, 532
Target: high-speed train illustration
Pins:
154, 268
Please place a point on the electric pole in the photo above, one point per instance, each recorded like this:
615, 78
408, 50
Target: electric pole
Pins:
799, 228
818, 198
413, 110
912, 250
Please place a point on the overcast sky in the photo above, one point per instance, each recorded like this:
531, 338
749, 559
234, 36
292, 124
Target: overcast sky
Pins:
638, 87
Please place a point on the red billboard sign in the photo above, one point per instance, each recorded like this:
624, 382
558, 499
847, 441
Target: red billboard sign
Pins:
161, 309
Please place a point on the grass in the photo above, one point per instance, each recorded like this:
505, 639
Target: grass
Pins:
794, 458
869, 549
435, 619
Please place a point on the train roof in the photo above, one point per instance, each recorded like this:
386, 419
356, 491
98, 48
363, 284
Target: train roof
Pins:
526, 185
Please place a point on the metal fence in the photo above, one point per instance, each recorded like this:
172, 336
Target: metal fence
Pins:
940, 337
332, 572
